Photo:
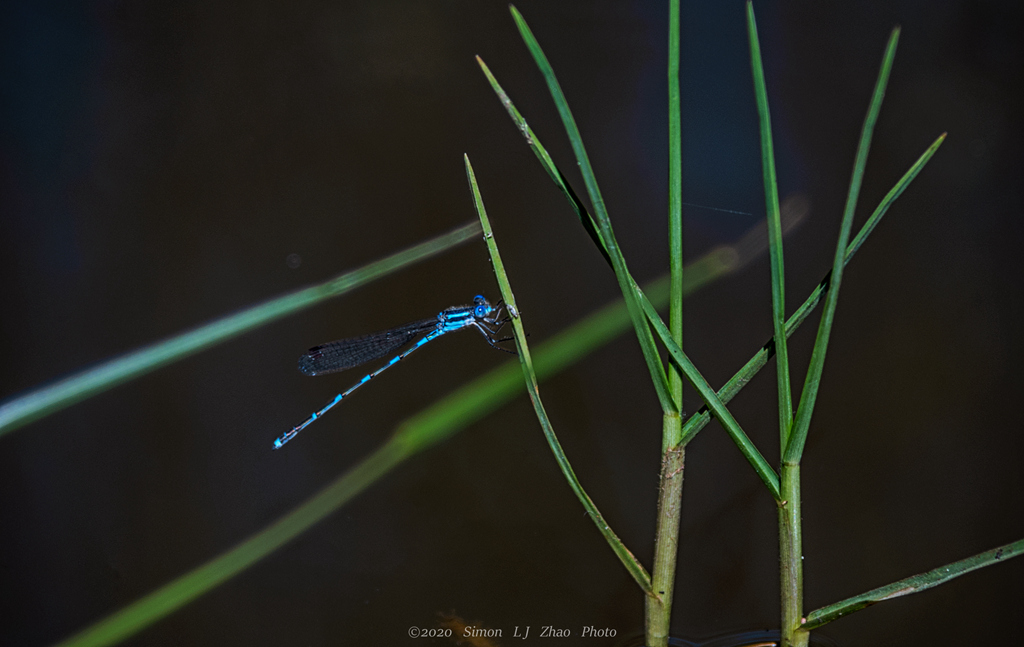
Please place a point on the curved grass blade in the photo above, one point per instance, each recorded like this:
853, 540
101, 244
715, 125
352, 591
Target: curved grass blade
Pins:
795, 448
48, 399
914, 584
586, 219
604, 226
627, 558
717, 406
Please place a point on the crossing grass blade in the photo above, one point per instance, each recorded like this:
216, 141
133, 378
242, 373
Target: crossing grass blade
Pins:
700, 419
556, 175
604, 227
718, 409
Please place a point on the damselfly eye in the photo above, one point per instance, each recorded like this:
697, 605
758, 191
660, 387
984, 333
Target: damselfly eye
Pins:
481, 311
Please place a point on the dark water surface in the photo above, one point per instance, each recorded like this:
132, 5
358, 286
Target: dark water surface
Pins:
165, 163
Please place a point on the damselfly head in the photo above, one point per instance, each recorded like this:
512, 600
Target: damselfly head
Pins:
483, 307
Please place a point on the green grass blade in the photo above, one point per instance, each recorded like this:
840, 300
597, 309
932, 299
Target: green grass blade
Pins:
794, 450
771, 198
43, 401
658, 608
791, 566
675, 213
636, 313
586, 219
560, 181
891, 196
699, 420
545, 160
437, 423
627, 558
914, 584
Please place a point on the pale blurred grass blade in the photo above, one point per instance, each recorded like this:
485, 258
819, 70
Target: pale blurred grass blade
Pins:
43, 401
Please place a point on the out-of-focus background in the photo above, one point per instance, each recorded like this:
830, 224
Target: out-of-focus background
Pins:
165, 163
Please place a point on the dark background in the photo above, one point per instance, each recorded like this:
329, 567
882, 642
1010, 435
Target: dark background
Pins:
160, 161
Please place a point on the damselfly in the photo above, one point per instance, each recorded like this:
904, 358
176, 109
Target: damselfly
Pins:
348, 353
